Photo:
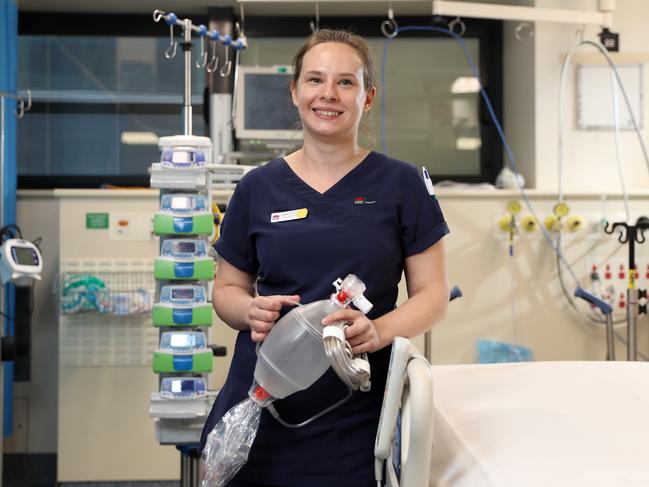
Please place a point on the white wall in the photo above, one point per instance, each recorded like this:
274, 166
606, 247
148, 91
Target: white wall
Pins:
519, 109
590, 156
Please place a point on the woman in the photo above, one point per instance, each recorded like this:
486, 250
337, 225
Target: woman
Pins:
365, 214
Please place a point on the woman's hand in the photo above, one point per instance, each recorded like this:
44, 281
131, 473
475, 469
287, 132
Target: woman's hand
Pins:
264, 312
361, 332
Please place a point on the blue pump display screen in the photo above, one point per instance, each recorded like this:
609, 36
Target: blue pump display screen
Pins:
178, 340
183, 386
182, 293
184, 247
181, 203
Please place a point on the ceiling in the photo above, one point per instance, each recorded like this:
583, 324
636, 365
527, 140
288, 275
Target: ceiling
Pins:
188, 7
264, 7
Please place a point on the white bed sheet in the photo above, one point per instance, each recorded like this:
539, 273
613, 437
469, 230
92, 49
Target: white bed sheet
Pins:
578, 424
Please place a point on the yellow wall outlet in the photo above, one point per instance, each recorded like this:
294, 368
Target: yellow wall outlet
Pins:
529, 223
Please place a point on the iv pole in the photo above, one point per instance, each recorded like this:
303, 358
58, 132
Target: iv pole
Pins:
7, 346
632, 234
189, 467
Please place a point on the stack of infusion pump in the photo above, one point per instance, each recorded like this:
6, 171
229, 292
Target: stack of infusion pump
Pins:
183, 271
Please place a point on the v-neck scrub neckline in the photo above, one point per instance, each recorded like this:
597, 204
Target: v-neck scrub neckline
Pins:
365, 165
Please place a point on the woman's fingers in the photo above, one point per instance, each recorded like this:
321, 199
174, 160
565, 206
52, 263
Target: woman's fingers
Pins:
264, 312
257, 336
263, 315
361, 334
292, 300
346, 314
276, 302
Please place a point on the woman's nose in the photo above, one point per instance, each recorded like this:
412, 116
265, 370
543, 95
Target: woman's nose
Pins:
329, 91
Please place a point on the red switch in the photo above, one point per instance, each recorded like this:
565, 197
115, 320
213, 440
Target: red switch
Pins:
621, 274
607, 272
647, 274
621, 303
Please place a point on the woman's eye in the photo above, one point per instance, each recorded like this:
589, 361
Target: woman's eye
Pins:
314, 80
346, 82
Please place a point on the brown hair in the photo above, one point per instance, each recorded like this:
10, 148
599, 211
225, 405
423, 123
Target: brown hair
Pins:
344, 37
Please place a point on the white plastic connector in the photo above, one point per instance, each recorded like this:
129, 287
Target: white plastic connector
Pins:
362, 303
333, 331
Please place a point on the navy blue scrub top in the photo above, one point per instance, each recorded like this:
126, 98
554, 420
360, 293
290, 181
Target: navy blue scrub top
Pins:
366, 224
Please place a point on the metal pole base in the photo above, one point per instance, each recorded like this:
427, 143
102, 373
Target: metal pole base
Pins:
189, 471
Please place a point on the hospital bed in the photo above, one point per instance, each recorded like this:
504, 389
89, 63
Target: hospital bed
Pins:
403, 442
577, 424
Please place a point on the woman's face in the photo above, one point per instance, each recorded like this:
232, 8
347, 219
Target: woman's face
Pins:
330, 93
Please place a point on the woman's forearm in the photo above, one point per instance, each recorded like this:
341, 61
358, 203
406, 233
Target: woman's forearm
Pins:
231, 304
417, 315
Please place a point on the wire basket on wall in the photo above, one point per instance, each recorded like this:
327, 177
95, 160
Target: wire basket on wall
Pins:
114, 287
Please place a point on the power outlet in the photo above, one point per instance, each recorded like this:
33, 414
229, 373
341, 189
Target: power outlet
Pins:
613, 279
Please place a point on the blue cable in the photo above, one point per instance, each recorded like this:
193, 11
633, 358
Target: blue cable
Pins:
384, 147
494, 118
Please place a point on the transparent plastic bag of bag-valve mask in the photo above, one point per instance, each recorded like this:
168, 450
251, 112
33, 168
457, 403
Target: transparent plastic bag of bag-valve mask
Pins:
228, 444
290, 359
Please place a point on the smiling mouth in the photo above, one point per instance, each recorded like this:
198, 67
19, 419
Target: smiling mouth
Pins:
329, 114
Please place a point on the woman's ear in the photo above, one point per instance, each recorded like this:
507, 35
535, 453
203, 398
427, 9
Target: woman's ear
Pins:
369, 99
293, 89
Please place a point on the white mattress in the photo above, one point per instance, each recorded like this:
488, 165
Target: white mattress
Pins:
578, 424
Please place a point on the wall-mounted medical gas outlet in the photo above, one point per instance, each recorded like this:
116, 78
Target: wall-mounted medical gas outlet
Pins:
507, 222
183, 214
560, 220
182, 305
184, 259
183, 351
529, 224
575, 223
553, 223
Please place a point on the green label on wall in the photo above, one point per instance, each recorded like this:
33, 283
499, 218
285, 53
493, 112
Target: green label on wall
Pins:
97, 220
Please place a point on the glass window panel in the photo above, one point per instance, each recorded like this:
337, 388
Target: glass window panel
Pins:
126, 84
87, 91
107, 65
86, 139
425, 123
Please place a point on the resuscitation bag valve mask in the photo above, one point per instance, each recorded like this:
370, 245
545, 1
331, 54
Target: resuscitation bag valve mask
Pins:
296, 352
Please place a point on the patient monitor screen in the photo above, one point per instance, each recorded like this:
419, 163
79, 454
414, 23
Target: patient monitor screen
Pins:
268, 104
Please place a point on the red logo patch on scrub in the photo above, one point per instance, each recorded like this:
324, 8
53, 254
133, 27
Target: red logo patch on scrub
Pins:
364, 200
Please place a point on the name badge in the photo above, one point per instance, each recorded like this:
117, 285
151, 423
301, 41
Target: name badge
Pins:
284, 216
